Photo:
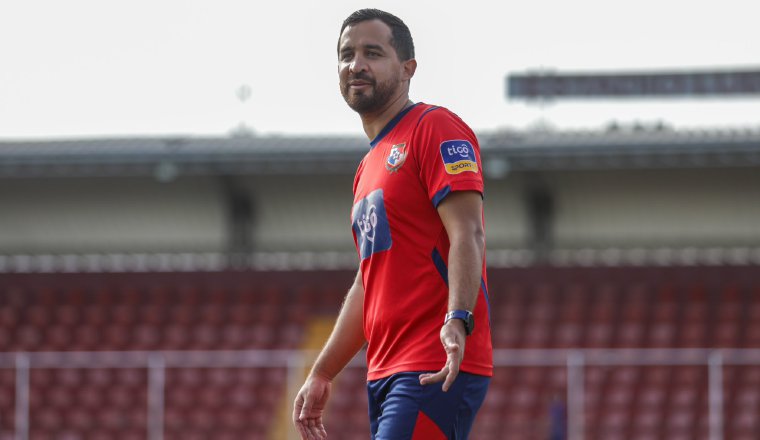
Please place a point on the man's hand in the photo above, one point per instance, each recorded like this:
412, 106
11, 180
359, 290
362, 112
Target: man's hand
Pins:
453, 338
308, 408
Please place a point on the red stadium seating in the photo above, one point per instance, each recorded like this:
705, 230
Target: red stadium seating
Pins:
534, 308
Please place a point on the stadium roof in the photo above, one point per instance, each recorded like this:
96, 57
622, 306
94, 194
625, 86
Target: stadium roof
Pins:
504, 151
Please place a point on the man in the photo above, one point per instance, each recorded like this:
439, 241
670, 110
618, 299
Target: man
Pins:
420, 295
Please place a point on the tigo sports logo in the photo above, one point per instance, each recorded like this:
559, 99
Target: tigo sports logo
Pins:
458, 157
370, 223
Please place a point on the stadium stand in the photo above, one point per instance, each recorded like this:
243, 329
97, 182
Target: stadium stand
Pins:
153, 312
532, 308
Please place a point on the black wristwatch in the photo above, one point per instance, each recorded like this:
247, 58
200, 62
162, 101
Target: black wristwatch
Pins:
465, 316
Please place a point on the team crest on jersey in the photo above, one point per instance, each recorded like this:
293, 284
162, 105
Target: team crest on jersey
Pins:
396, 157
458, 157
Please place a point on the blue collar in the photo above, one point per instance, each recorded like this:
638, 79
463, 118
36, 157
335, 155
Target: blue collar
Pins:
390, 125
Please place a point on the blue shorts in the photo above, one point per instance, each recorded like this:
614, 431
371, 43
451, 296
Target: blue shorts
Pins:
402, 409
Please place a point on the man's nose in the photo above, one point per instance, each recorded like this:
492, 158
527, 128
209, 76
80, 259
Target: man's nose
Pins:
357, 65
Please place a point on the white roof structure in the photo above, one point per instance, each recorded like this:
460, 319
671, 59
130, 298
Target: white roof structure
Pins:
614, 148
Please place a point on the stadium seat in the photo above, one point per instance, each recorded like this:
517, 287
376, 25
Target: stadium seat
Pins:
630, 334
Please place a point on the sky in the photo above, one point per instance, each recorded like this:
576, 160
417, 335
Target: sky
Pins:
92, 68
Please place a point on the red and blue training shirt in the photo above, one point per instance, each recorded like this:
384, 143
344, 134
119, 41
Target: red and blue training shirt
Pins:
420, 157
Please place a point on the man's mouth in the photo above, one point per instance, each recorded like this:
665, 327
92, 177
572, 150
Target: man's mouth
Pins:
359, 84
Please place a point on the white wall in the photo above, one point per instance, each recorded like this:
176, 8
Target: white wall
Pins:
658, 208
302, 212
593, 209
506, 220
109, 214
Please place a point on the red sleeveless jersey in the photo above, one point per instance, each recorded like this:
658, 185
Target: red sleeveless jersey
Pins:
421, 156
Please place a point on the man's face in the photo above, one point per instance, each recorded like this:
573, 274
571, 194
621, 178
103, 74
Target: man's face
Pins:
369, 70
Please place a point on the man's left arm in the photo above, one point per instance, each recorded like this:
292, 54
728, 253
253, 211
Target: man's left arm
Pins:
462, 215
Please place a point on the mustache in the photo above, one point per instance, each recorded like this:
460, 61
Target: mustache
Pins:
361, 76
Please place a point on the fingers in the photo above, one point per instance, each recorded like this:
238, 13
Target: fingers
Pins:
298, 418
311, 428
305, 410
428, 378
451, 376
308, 425
447, 375
303, 432
297, 405
450, 371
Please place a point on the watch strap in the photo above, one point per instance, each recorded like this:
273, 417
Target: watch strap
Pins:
466, 317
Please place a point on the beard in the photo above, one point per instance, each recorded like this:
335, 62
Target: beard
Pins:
372, 100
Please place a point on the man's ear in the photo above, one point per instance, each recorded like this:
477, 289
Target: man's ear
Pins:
409, 66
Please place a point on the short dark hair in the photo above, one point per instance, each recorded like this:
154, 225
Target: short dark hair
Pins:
401, 37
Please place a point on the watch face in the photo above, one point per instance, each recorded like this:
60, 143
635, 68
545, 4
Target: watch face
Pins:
470, 324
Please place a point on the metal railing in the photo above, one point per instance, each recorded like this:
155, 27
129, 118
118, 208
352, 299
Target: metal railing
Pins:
295, 361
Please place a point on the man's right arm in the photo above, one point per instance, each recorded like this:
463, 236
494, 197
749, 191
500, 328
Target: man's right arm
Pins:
346, 339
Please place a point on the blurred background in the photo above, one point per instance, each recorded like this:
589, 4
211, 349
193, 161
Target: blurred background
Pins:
175, 195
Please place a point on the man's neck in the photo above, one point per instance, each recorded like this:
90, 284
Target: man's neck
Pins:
373, 123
